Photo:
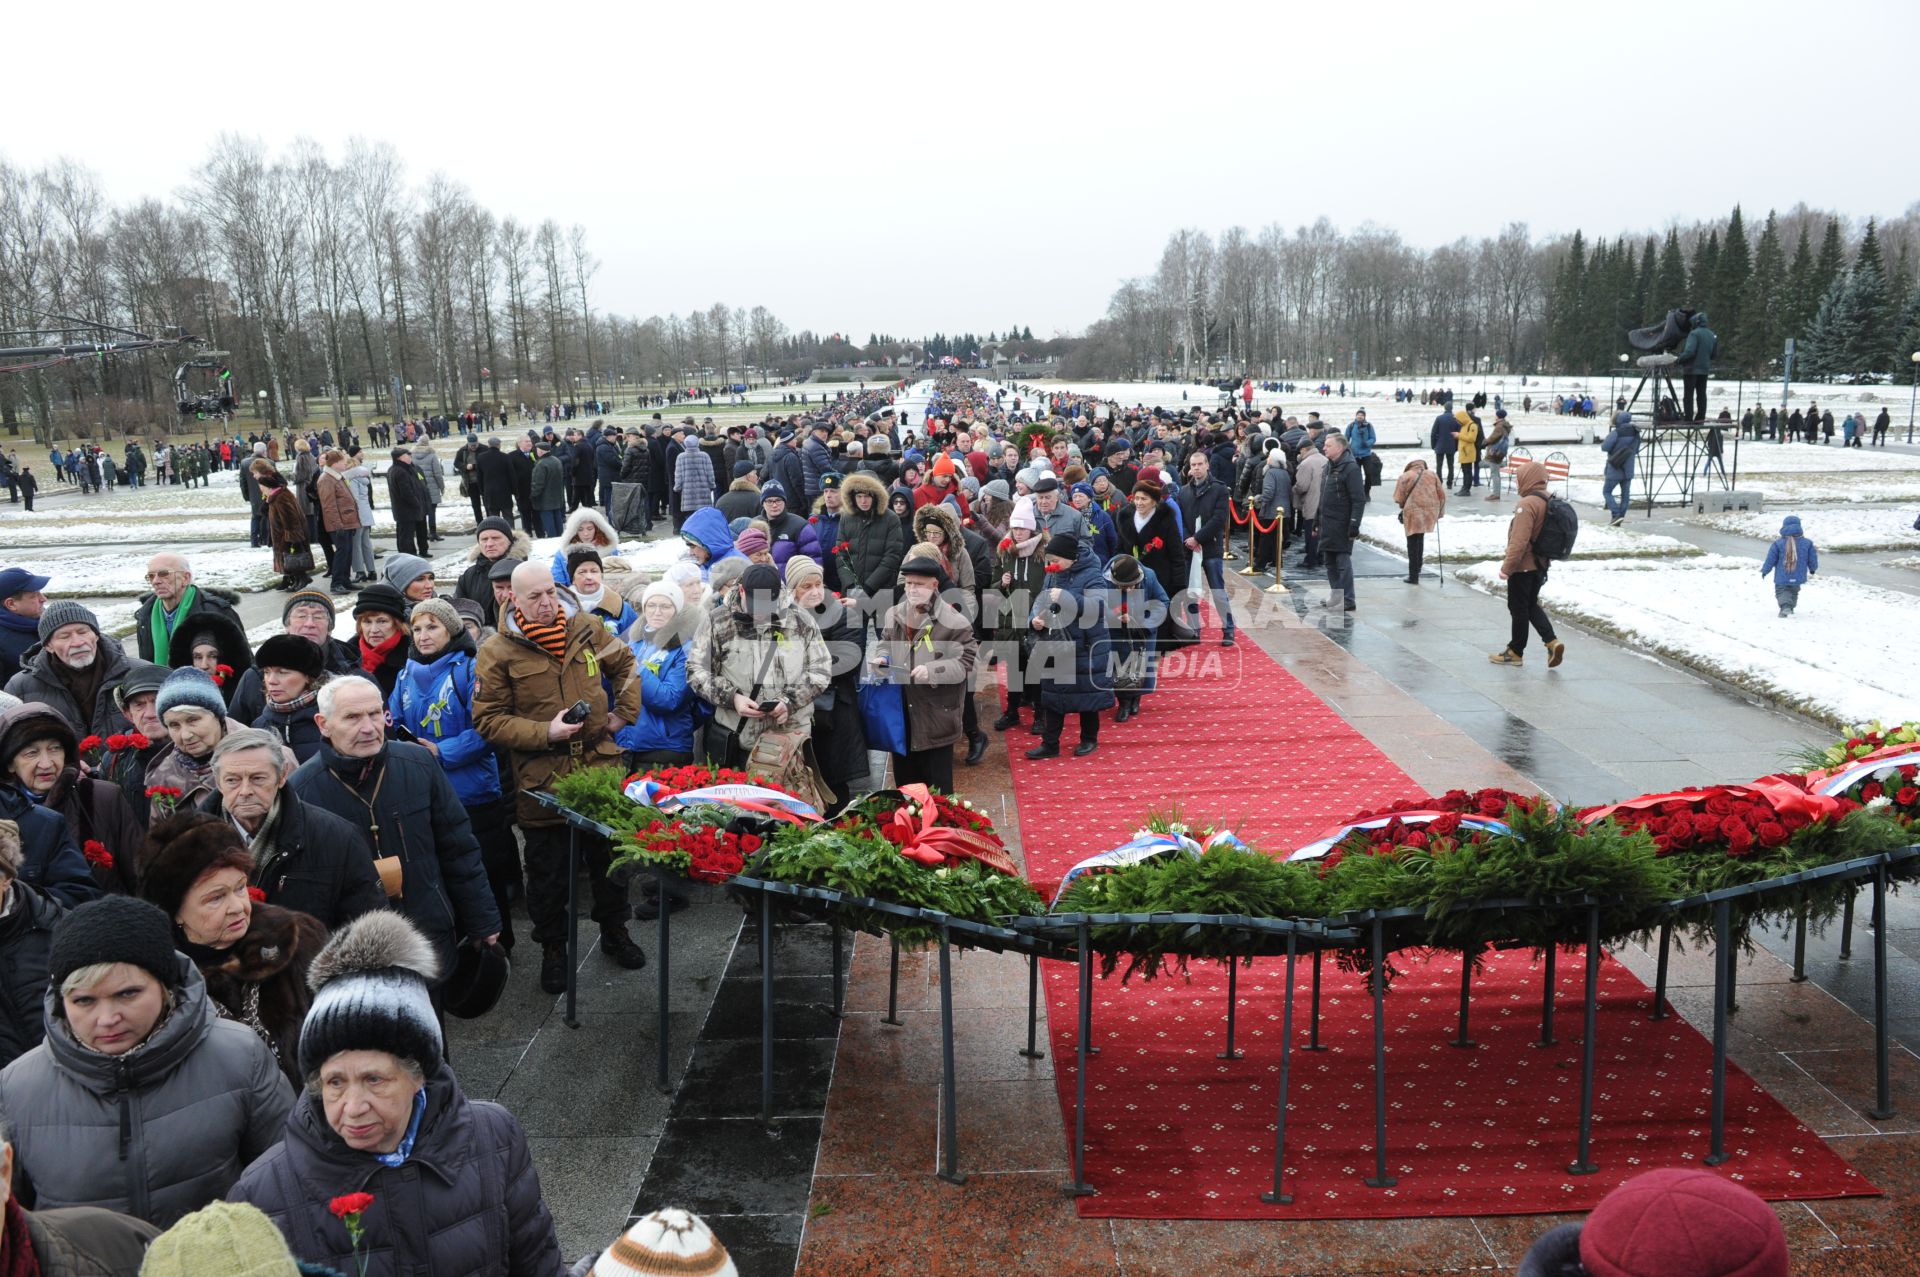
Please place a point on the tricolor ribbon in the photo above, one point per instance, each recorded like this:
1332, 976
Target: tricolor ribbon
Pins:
1144, 846
1838, 780
1333, 837
754, 798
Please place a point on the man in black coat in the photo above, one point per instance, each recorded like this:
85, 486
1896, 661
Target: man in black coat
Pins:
606, 464
637, 468
1343, 499
1203, 512
399, 798
407, 493
179, 599
466, 466
305, 858
496, 479
786, 468
522, 463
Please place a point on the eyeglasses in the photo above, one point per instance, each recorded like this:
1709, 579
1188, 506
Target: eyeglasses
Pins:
161, 576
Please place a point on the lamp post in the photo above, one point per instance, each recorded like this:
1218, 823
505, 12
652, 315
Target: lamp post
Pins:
1913, 394
1486, 362
260, 407
1623, 376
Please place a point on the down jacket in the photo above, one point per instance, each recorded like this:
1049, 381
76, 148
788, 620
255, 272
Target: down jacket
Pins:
156, 1133
26, 941
1072, 661
466, 1203
38, 680
876, 544
474, 584
49, 857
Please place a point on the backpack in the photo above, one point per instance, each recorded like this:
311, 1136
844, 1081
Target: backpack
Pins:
1625, 448
1559, 529
1497, 450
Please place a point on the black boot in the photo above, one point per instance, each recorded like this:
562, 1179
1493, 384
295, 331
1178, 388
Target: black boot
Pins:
1045, 749
553, 968
618, 945
1123, 713
977, 749
1007, 720
1086, 747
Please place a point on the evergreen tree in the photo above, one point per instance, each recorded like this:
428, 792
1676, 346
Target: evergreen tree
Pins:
1831, 263
1705, 275
1874, 309
1801, 298
1729, 292
1907, 339
1643, 283
1669, 279
1026, 334
1569, 301
1763, 302
1824, 351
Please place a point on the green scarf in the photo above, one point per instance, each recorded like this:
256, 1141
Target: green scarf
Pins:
161, 632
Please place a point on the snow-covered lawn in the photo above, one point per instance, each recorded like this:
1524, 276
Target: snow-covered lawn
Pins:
1484, 536
98, 575
1911, 564
1846, 656
1886, 528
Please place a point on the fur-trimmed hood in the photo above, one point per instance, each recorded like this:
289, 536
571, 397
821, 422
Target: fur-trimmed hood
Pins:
941, 513
862, 481
581, 518
520, 547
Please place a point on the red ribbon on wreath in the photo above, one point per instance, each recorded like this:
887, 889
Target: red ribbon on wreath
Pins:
922, 841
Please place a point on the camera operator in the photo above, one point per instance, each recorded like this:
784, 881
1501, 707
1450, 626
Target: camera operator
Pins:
1696, 361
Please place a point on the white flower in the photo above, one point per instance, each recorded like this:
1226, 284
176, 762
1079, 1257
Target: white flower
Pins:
1875, 804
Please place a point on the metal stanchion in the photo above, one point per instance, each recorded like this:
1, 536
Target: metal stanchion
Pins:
1032, 1050
1233, 1007
1722, 973
572, 1017
1313, 1010
662, 996
1882, 1079
1280, 1197
893, 983
1799, 975
1584, 1164
1659, 1011
1546, 1000
1380, 1178
766, 1008
1846, 926
949, 1102
1466, 996
1079, 1187
839, 971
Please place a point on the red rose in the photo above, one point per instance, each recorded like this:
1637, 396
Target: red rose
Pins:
350, 1204
1493, 804
1704, 825
1868, 792
1739, 841
1906, 795
1771, 833
1447, 824
1719, 804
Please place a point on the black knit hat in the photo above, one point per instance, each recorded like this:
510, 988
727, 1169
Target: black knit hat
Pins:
181, 848
380, 597
581, 554
493, 523
761, 584
292, 652
1063, 545
114, 929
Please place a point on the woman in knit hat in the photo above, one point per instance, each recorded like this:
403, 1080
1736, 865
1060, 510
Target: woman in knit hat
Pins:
1019, 577
253, 955
40, 757
292, 670
839, 741
454, 1190
432, 699
142, 1099
380, 623
195, 716
410, 575
232, 1239
753, 543
591, 591
663, 735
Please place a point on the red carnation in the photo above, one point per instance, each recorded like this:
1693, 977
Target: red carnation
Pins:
1006, 544
89, 743
138, 740
97, 854
1056, 567
1155, 544
256, 895
350, 1204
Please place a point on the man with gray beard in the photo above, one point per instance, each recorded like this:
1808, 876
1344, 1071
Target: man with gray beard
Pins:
74, 669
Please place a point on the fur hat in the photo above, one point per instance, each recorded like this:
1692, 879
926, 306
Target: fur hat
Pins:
667, 1241
292, 652
180, 849
583, 554
442, 611
9, 849
370, 994
66, 612
114, 929
190, 686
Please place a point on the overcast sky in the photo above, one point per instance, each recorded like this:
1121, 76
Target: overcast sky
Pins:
906, 168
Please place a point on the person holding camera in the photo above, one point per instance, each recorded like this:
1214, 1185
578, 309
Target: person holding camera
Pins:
541, 693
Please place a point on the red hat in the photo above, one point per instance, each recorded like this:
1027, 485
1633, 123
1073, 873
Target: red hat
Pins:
1676, 1222
943, 464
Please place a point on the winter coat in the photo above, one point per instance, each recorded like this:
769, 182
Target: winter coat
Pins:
50, 859
360, 483
97, 811
1170, 560
1102, 537
875, 543
1469, 437
1806, 558
297, 727
606, 461
790, 472
1343, 500
1696, 356
313, 862
433, 475
261, 980
407, 493
741, 500
26, 941
1422, 498
434, 700
1203, 509
572, 535
1360, 438
84, 1242
826, 535
156, 1133
444, 889
1276, 487
944, 644
466, 1203
496, 476
207, 599
839, 738
637, 465
709, 528
1529, 513
959, 565
666, 721
816, 460
39, 680
519, 687
789, 535
780, 659
306, 468
474, 583
693, 479
1440, 438
1072, 661
339, 512
1133, 616
17, 634
1309, 477
549, 484
1624, 437
286, 526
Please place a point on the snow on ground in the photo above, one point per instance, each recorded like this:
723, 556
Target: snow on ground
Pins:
1846, 656
1478, 536
105, 575
1888, 528
1911, 564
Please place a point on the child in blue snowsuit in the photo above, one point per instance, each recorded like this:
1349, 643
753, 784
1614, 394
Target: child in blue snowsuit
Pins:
1791, 559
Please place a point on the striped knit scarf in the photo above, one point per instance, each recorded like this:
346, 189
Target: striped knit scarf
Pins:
550, 638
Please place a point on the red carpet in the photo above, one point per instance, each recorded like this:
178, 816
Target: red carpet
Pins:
1173, 1132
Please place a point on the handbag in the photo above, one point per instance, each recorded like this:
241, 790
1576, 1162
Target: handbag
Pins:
297, 559
883, 714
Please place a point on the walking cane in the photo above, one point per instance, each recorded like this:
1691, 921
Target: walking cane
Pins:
1439, 555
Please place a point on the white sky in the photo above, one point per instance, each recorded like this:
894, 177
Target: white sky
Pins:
1032, 155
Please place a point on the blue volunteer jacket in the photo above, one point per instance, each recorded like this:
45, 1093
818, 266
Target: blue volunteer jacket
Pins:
434, 700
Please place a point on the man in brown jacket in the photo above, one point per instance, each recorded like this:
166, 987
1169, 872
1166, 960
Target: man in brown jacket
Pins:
547, 658
1524, 572
339, 516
